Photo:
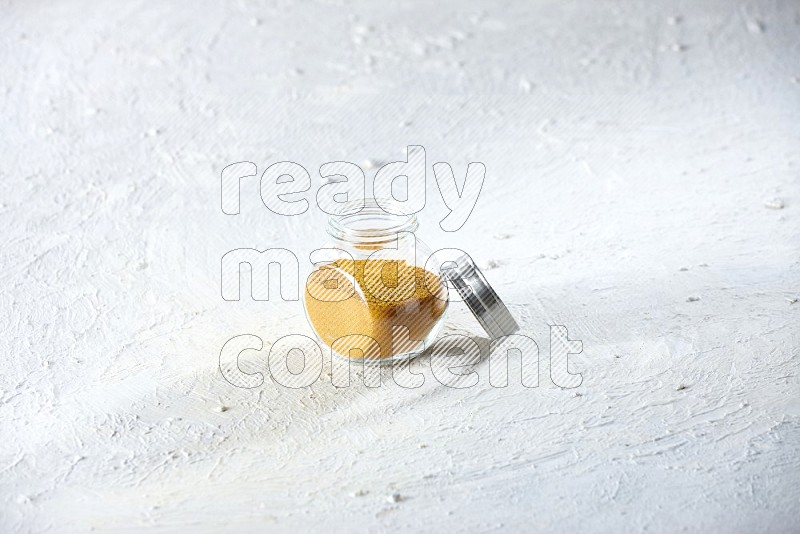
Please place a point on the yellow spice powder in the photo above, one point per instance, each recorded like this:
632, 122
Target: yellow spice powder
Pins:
389, 293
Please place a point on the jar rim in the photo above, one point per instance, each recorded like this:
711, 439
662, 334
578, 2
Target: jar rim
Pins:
367, 220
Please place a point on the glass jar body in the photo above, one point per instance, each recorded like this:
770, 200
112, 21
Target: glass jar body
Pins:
375, 291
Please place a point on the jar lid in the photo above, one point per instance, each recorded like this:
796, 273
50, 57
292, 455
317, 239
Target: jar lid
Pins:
479, 296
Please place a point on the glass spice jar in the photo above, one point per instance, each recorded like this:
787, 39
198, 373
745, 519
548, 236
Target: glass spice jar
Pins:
370, 298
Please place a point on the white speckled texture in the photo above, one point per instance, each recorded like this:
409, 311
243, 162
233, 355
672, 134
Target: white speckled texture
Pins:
643, 169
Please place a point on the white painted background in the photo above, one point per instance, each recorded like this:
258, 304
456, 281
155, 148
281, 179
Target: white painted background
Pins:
634, 152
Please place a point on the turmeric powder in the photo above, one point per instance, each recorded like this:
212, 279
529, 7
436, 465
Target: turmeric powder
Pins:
355, 305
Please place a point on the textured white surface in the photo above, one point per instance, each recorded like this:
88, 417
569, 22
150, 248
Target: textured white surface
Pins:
633, 152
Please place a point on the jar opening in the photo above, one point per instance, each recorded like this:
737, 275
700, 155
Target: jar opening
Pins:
371, 223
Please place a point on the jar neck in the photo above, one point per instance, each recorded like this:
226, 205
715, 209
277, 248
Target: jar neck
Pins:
370, 225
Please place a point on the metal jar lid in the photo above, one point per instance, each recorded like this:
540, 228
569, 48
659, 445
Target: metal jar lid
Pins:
482, 300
